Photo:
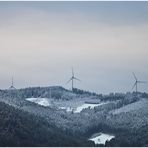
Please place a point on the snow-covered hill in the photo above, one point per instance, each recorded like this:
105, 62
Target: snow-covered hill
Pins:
132, 116
55, 92
136, 106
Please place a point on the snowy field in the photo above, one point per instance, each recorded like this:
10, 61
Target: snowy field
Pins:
101, 138
80, 108
40, 101
75, 105
91, 106
131, 107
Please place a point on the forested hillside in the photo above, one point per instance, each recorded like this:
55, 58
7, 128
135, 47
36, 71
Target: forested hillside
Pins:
56, 92
18, 128
23, 123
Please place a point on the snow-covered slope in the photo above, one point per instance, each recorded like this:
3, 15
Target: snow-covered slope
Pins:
132, 107
40, 101
132, 116
86, 105
49, 102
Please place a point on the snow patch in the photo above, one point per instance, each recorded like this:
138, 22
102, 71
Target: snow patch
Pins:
40, 101
101, 138
84, 106
68, 109
80, 108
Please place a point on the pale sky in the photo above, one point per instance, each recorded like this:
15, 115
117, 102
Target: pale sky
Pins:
104, 42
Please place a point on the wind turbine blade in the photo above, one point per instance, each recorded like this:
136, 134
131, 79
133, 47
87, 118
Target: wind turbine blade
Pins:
134, 76
68, 80
141, 81
77, 79
72, 72
134, 85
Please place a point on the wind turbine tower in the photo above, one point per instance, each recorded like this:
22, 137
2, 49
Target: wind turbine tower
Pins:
72, 79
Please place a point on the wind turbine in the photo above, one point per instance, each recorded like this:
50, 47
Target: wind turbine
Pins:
12, 87
72, 79
136, 83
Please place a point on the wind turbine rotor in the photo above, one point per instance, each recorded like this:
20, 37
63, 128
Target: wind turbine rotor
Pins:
136, 82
